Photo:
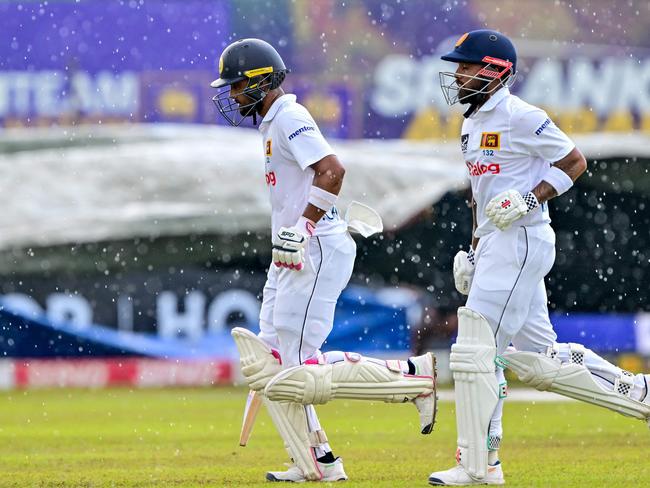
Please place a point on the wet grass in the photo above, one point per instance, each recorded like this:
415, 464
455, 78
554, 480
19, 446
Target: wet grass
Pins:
188, 437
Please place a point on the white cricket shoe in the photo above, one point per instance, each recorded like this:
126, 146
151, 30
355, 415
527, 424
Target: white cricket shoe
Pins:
457, 476
427, 406
331, 472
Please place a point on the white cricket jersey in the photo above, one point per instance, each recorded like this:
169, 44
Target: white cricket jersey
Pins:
509, 144
292, 143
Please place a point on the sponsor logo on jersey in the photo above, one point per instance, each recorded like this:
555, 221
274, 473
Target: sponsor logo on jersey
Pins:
478, 169
300, 131
541, 128
490, 140
464, 139
269, 151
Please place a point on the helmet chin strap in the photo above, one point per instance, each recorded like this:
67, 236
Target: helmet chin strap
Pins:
258, 96
475, 100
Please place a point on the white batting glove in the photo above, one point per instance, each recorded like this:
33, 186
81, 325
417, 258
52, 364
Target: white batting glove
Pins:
289, 245
464, 270
509, 206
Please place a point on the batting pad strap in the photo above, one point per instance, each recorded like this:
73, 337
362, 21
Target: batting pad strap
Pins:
558, 179
394, 365
494, 442
624, 384
317, 438
321, 198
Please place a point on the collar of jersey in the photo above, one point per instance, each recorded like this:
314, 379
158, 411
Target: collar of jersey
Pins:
275, 108
494, 100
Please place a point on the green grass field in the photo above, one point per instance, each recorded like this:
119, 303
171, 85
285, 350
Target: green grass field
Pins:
188, 437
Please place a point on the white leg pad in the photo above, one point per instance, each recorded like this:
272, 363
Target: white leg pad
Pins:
476, 387
546, 373
356, 378
258, 364
291, 421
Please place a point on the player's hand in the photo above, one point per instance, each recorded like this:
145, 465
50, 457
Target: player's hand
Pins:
510, 206
289, 245
464, 271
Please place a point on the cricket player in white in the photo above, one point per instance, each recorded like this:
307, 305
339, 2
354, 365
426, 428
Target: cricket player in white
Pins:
313, 257
517, 159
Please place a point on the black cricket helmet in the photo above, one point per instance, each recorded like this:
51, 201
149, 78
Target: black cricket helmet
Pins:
254, 60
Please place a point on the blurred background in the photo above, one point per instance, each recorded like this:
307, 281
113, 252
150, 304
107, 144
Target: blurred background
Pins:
136, 225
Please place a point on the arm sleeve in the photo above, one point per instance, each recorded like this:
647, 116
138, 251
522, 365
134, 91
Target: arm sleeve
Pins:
534, 133
302, 139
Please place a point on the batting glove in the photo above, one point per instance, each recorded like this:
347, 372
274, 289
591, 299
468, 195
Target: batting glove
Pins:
509, 206
289, 245
464, 270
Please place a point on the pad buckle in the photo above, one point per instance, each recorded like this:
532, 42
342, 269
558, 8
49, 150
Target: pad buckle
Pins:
503, 389
317, 438
576, 354
394, 365
501, 362
624, 384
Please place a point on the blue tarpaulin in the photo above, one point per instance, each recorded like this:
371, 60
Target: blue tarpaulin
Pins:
363, 323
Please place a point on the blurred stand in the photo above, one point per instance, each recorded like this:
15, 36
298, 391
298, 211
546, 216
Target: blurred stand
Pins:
436, 331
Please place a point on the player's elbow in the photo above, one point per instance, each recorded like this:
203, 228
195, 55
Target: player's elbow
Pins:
336, 176
334, 170
573, 164
580, 164
341, 172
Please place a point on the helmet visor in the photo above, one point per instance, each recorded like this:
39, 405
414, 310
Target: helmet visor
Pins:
221, 82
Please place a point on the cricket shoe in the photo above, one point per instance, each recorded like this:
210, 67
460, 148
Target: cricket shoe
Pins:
427, 406
457, 476
331, 472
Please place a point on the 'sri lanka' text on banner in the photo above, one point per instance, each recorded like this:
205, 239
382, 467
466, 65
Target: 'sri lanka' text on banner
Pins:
404, 99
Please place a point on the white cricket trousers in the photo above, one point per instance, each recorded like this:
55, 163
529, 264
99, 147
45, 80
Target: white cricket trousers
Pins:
508, 286
297, 311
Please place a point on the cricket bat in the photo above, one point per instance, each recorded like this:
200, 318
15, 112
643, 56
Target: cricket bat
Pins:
253, 403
